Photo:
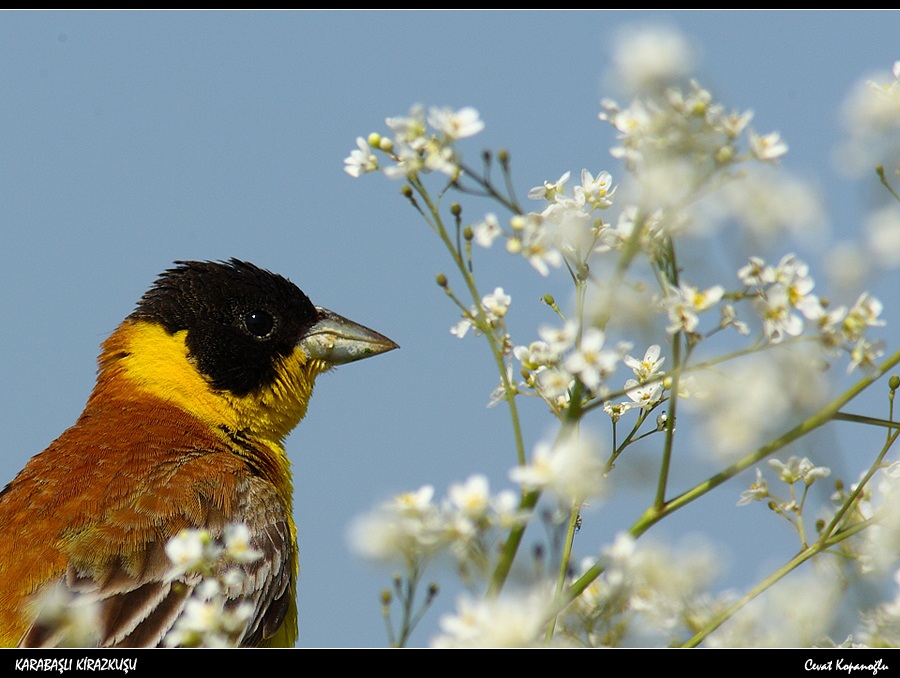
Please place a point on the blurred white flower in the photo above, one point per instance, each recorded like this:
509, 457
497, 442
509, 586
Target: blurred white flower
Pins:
750, 400
684, 302
767, 147
190, 550
871, 113
759, 490
550, 189
472, 497
796, 612
651, 58
456, 124
507, 621
237, 544
570, 468
796, 469
882, 229
361, 159
590, 361
496, 303
487, 231
405, 529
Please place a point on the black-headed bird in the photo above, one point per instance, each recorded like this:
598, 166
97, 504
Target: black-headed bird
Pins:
196, 392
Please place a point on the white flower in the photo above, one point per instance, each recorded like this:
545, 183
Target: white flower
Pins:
729, 319
73, 619
767, 147
616, 410
559, 339
590, 362
189, 550
651, 58
410, 130
455, 124
743, 405
871, 115
756, 273
883, 235
500, 393
775, 310
472, 498
649, 366
409, 161
487, 231
535, 243
360, 159
645, 396
865, 354
507, 621
570, 468
555, 383
864, 313
798, 469
439, 157
407, 528
684, 303
237, 544
596, 192
759, 490
461, 328
505, 505
537, 355
497, 303
415, 502
549, 190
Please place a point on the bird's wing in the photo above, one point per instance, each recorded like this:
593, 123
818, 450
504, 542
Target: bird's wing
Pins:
136, 598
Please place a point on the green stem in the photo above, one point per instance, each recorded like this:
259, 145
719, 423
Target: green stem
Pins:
665, 465
496, 349
564, 563
511, 546
654, 514
807, 553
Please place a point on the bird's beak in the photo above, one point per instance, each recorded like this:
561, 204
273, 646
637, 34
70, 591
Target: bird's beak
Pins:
337, 340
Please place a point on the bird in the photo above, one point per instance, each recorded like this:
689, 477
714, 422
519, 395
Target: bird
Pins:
196, 392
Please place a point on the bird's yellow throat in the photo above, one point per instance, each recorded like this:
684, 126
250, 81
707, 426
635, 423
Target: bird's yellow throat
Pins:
159, 363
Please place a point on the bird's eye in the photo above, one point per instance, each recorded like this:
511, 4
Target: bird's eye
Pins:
259, 323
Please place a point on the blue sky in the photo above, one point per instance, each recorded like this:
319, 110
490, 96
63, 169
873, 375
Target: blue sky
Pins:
132, 139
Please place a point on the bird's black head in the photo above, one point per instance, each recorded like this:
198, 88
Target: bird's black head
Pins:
240, 319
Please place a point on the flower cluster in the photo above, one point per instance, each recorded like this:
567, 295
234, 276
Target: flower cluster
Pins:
211, 616
513, 620
552, 364
567, 230
790, 472
413, 528
493, 306
648, 594
783, 298
419, 144
688, 129
692, 167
